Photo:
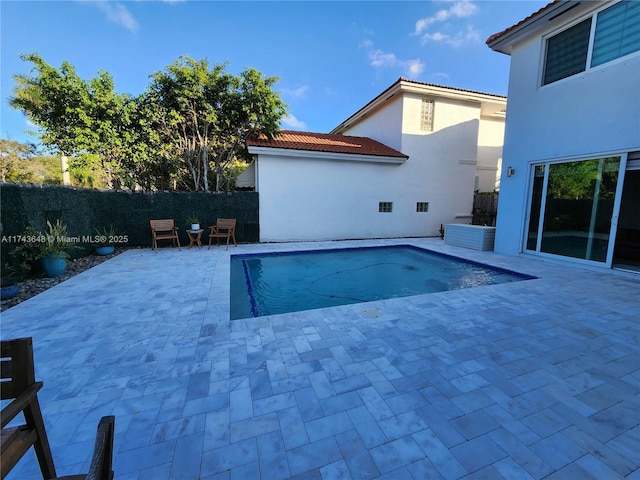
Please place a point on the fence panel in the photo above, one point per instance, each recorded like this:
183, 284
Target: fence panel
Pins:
85, 210
485, 209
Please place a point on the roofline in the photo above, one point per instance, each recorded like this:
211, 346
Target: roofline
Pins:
398, 154
404, 85
323, 155
503, 41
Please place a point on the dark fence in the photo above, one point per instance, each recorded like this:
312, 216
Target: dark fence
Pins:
85, 210
485, 209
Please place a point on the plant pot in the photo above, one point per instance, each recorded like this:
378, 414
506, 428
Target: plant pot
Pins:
195, 226
105, 250
9, 291
54, 265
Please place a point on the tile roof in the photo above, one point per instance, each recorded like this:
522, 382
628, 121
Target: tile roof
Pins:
498, 35
326, 142
404, 79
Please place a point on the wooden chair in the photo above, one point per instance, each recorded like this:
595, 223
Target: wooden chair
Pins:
102, 460
18, 383
163, 230
224, 228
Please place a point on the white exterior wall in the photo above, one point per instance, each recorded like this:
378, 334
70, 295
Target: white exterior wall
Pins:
490, 139
306, 198
586, 115
442, 163
385, 125
314, 199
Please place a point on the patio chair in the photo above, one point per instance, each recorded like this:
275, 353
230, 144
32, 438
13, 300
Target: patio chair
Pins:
18, 384
163, 230
102, 460
224, 228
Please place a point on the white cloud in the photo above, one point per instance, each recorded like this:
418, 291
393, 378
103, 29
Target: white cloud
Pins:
463, 9
377, 58
118, 14
459, 9
415, 67
299, 92
464, 37
380, 59
440, 75
292, 122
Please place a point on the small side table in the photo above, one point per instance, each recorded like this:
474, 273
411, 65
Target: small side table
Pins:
194, 237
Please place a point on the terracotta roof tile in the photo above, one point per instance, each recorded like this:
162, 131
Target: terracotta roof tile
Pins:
496, 36
326, 142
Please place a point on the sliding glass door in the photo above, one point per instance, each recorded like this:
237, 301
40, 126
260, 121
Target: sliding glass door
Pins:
570, 208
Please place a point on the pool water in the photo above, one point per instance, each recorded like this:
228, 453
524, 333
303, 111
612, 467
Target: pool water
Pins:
272, 283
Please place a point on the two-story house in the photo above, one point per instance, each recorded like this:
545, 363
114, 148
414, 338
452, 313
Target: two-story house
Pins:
570, 187
401, 166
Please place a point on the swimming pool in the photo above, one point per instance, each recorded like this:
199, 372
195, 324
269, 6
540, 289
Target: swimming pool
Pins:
272, 283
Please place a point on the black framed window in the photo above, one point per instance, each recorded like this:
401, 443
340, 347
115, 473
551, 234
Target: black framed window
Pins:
567, 52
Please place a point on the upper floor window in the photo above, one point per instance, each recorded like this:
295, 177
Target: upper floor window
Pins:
567, 52
426, 117
617, 33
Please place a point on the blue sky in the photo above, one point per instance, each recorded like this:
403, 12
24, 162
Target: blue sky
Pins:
331, 57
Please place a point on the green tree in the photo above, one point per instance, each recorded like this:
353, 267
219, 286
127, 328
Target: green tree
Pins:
192, 120
12, 154
205, 116
86, 121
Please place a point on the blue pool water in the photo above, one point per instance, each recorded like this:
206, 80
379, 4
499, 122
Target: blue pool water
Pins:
267, 284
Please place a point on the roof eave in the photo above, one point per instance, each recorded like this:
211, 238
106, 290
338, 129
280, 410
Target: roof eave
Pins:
504, 42
320, 155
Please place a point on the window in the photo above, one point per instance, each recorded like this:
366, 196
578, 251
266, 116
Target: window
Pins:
426, 118
567, 52
385, 207
617, 33
571, 206
422, 207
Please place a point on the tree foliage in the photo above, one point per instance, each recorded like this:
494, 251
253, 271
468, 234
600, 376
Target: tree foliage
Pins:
86, 120
23, 163
206, 114
186, 131
578, 180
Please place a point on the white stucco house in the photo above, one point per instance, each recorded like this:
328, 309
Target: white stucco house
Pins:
570, 187
401, 166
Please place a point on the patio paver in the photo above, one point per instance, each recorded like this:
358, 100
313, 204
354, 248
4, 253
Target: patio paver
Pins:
532, 379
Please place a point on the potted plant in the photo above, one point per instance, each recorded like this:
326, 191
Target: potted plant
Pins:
9, 278
9, 287
105, 240
193, 222
54, 255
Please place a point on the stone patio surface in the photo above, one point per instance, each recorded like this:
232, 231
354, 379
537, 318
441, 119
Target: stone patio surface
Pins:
533, 379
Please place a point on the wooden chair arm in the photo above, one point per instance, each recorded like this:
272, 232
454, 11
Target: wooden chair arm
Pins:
18, 404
